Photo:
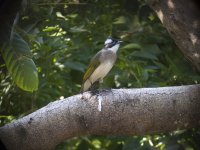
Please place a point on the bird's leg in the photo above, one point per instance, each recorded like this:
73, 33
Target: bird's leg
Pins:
97, 94
93, 88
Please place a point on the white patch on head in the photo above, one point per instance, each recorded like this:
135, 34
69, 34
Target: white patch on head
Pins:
108, 41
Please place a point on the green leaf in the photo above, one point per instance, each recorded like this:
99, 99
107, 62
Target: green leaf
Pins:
21, 46
21, 67
26, 75
145, 55
160, 65
77, 29
59, 15
152, 48
75, 65
131, 144
145, 74
132, 46
51, 28
72, 16
120, 20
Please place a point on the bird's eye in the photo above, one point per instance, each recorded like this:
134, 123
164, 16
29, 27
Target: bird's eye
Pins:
110, 45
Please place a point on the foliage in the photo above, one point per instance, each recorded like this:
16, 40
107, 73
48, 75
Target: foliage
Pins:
18, 59
172, 141
64, 35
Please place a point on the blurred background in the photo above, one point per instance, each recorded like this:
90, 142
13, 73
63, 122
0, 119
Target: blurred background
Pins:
64, 34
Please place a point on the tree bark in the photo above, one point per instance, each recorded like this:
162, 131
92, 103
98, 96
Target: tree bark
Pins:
182, 20
124, 112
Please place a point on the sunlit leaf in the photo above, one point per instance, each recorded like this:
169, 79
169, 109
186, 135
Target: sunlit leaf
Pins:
72, 15
120, 20
59, 15
51, 28
21, 67
78, 29
132, 46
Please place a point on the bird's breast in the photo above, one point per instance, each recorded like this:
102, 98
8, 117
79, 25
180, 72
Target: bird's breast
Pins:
101, 71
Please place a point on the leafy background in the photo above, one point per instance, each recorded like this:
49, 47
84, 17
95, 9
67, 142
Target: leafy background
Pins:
64, 35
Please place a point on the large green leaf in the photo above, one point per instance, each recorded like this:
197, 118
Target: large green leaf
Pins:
17, 56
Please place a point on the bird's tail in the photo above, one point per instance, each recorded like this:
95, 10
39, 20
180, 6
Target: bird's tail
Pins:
85, 86
82, 89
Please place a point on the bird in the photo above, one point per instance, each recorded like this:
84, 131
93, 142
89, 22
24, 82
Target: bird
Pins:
100, 64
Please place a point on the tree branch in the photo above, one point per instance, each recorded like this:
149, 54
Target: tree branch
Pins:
182, 20
124, 112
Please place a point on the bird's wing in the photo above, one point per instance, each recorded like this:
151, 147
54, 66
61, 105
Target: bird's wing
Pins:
94, 63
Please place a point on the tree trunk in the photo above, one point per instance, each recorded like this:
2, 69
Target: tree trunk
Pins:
182, 20
8, 11
123, 112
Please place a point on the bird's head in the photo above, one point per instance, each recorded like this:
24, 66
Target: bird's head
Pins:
112, 44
